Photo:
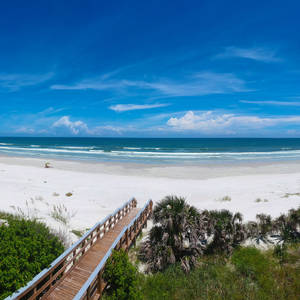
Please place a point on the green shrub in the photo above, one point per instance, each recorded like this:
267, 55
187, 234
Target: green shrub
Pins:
251, 274
212, 279
121, 277
250, 261
26, 248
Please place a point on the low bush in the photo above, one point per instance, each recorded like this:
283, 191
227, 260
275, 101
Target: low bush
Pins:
121, 277
26, 248
250, 262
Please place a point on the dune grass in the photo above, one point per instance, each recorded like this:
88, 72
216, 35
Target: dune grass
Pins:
249, 274
61, 214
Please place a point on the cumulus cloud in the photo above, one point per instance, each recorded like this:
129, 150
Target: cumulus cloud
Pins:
66, 127
259, 54
214, 122
75, 127
128, 107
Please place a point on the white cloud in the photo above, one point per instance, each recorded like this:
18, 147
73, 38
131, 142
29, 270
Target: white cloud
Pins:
14, 82
90, 84
259, 54
75, 127
107, 130
277, 103
128, 107
25, 130
201, 83
211, 122
202, 123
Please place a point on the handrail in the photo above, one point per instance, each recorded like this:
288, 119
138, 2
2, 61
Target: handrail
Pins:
80, 245
81, 294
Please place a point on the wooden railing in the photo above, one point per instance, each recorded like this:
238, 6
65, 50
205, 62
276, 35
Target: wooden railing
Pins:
42, 284
93, 287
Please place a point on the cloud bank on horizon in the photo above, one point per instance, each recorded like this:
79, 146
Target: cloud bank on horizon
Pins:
106, 69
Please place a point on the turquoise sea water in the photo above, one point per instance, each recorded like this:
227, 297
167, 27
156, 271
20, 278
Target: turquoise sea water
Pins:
154, 150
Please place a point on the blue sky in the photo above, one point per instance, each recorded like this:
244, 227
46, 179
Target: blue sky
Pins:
150, 68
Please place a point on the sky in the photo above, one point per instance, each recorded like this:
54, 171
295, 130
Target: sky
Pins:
150, 68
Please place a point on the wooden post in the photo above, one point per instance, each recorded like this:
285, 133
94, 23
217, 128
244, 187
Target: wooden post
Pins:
34, 290
126, 239
134, 202
74, 254
145, 219
92, 238
82, 245
88, 296
100, 283
50, 279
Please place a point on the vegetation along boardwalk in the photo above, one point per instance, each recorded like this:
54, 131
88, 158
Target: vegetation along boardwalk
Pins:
77, 273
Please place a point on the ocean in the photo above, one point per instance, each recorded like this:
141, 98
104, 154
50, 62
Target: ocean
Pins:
154, 150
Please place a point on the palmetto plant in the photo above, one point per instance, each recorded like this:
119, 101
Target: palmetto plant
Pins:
178, 235
181, 233
288, 227
227, 230
261, 230
284, 229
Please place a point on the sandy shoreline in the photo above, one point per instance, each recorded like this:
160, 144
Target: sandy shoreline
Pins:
201, 171
99, 188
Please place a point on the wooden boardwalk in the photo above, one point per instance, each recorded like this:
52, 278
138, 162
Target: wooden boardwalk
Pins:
77, 273
72, 283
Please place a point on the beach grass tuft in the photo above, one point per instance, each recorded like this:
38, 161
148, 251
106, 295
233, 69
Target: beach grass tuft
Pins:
286, 195
78, 233
225, 199
61, 214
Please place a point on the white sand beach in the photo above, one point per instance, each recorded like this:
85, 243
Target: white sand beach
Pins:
99, 188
